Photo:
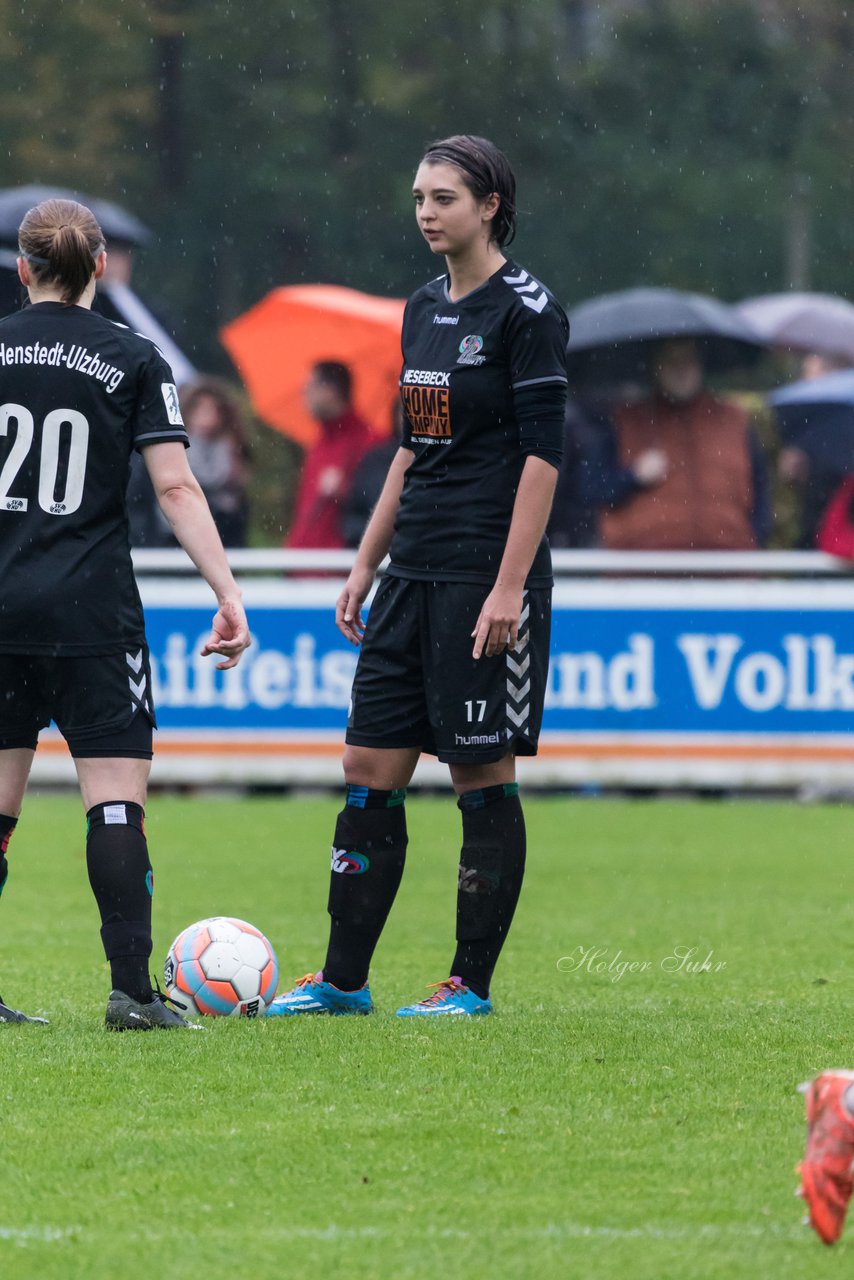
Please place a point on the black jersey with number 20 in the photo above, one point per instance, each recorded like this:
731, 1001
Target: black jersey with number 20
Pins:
77, 394
470, 368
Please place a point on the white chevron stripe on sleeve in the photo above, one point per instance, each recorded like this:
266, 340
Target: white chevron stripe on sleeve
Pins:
536, 304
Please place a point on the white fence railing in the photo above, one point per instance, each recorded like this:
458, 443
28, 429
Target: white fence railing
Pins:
765, 564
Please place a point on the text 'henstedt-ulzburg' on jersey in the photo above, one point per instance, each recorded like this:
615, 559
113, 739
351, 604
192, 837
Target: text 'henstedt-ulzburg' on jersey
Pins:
78, 358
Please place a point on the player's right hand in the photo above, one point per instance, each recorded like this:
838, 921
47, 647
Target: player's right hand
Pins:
229, 634
348, 610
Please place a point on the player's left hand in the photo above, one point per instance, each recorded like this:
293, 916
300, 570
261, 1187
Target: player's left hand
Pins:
229, 634
497, 626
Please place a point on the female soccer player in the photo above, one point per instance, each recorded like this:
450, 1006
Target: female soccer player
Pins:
455, 653
77, 394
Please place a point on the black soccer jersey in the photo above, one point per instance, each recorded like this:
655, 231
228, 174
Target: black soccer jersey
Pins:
472, 371
77, 394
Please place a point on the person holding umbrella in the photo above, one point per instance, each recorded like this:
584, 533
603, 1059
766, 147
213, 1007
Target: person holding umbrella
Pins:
681, 470
455, 651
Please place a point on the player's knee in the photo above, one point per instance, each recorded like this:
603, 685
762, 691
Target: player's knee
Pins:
379, 770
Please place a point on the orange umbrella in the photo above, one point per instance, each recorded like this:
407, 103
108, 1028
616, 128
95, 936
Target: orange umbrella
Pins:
275, 344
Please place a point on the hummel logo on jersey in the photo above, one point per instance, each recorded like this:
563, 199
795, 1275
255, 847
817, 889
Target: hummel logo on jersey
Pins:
526, 286
446, 319
173, 407
349, 864
470, 349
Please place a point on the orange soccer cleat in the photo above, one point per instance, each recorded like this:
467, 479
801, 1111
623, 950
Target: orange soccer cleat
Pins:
826, 1169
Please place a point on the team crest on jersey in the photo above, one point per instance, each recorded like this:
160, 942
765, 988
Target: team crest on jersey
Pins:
470, 349
173, 406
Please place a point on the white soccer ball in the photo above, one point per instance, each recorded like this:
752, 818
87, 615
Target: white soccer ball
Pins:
222, 967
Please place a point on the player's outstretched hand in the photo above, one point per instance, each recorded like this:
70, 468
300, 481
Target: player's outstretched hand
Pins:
348, 610
229, 634
497, 627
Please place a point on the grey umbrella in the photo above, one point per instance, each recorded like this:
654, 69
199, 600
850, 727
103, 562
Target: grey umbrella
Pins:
819, 322
613, 337
116, 223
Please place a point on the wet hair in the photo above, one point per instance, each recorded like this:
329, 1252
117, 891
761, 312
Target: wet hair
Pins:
232, 419
60, 240
485, 170
335, 375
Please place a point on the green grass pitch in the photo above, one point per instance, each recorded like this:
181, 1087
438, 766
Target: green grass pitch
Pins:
607, 1122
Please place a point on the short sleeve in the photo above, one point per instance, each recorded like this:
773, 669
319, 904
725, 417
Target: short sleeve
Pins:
157, 419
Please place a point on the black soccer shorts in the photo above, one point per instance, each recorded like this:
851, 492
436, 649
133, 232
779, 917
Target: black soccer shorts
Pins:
417, 684
102, 705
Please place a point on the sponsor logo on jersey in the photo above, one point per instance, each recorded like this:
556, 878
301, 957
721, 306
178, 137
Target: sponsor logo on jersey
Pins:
446, 319
428, 377
349, 864
531, 292
470, 349
173, 407
428, 411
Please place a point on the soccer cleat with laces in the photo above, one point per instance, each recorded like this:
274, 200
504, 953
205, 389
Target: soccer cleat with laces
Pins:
450, 997
312, 995
15, 1015
125, 1014
826, 1169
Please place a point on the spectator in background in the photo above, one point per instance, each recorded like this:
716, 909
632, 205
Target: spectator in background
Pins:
219, 459
573, 521
330, 463
813, 468
681, 470
219, 454
368, 480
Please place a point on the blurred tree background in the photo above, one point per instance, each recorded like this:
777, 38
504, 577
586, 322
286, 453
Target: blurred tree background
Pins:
695, 143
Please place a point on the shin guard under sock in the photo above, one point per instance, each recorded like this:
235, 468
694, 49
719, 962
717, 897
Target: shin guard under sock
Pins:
7, 826
368, 853
492, 867
123, 883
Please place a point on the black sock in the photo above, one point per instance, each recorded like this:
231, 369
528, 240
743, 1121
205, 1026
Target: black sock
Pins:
7, 826
123, 883
368, 853
492, 867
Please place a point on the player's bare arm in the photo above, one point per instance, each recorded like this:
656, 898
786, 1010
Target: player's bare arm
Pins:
185, 507
498, 624
372, 550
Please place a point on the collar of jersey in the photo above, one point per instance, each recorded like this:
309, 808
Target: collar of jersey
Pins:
507, 266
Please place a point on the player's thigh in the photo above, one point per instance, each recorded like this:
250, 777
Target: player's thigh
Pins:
483, 709
388, 710
103, 707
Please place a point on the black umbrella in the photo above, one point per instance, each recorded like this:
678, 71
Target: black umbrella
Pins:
613, 337
817, 415
117, 224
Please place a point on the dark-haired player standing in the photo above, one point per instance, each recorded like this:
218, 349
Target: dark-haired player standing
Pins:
77, 394
455, 653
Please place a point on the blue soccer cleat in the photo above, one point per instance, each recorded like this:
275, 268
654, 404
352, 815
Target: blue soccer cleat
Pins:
450, 997
312, 995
